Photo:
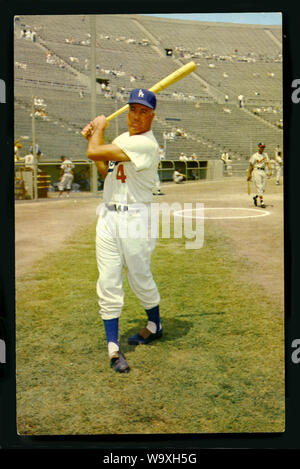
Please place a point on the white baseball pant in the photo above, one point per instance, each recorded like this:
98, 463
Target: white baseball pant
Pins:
66, 182
118, 245
278, 172
260, 180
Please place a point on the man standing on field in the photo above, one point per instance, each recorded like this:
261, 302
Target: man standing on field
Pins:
259, 163
129, 166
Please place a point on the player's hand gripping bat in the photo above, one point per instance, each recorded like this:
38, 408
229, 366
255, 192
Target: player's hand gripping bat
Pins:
161, 85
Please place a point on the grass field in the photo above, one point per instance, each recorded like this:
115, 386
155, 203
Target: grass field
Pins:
219, 367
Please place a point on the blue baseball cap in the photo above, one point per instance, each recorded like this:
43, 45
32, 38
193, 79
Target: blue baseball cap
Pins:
143, 96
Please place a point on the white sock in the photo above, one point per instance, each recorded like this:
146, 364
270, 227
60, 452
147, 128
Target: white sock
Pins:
112, 348
152, 327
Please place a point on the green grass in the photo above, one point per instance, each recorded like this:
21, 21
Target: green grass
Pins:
218, 368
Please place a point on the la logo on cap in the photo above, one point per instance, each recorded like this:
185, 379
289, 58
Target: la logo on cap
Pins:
141, 94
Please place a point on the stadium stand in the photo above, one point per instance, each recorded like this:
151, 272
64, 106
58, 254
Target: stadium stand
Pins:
52, 63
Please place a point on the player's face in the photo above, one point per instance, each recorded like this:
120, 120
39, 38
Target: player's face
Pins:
139, 118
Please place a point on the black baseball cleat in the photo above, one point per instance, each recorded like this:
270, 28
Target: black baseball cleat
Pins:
144, 337
262, 205
119, 363
255, 200
158, 193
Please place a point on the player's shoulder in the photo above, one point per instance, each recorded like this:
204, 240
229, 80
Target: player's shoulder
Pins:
147, 137
121, 136
149, 141
142, 142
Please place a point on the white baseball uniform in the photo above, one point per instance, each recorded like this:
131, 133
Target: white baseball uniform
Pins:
260, 164
177, 177
227, 161
278, 165
29, 161
123, 234
67, 178
156, 189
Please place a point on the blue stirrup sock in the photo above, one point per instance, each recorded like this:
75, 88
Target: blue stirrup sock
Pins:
111, 327
153, 319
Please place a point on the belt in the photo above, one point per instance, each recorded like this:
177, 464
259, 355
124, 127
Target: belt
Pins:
117, 208
262, 169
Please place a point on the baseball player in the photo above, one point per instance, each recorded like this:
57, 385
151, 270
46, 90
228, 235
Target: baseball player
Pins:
278, 163
66, 176
259, 162
178, 177
227, 162
29, 161
17, 148
129, 165
156, 190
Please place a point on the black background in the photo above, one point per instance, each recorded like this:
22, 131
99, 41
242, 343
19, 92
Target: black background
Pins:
91, 450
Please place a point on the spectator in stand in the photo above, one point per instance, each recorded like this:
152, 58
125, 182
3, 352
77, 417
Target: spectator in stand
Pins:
241, 100
183, 157
28, 34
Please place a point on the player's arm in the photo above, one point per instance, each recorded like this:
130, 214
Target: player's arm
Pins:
102, 167
250, 171
97, 150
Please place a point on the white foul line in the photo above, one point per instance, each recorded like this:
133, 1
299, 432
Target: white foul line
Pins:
261, 213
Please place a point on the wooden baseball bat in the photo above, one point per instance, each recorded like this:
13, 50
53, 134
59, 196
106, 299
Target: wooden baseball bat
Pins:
161, 85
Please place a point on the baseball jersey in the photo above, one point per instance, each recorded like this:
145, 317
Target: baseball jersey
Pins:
176, 175
29, 160
132, 181
278, 160
67, 166
259, 160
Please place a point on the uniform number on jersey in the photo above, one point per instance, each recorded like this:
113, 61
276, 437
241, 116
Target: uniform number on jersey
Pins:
120, 173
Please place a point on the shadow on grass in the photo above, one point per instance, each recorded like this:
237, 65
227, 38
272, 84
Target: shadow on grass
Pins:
173, 329
217, 313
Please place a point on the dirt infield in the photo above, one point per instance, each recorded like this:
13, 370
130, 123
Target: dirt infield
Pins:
42, 226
